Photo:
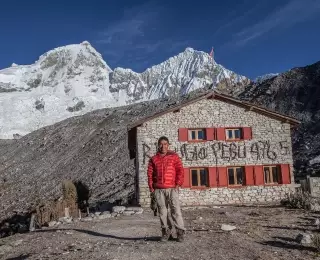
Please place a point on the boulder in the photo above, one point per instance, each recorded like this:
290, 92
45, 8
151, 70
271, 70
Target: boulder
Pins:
304, 238
52, 223
128, 212
118, 209
135, 209
226, 227
87, 219
316, 222
67, 220
104, 216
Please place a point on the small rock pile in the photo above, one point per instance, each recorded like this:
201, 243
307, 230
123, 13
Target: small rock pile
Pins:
116, 212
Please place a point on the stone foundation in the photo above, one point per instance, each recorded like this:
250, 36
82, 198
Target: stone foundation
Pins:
223, 196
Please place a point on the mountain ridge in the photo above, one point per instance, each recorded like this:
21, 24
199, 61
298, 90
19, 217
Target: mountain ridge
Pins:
74, 79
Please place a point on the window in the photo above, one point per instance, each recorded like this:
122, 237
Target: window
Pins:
197, 134
199, 177
235, 175
271, 174
234, 134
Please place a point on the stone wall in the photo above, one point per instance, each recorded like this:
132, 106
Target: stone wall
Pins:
311, 185
270, 144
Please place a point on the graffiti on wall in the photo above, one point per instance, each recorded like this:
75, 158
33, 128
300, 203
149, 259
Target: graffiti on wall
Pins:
227, 151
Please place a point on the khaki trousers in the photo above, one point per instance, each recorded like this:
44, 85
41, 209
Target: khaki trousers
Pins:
169, 199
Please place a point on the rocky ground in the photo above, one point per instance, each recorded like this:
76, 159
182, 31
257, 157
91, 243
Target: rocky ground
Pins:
92, 148
260, 233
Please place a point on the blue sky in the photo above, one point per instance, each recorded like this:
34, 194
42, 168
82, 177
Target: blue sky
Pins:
251, 37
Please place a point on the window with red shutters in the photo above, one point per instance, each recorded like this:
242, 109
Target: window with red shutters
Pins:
221, 134
183, 134
210, 134
222, 176
199, 177
285, 174
247, 133
249, 173
212, 176
186, 179
271, 174
196, 134
235, 176
258, 175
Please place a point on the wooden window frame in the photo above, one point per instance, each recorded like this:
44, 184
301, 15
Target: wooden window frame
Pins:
271, 175
235, 177
190, 130
233, 131
198, 173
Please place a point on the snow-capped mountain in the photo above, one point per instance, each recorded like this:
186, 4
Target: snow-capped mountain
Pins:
262, 78
74, 79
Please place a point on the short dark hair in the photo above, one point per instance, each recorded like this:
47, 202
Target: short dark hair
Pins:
163, 138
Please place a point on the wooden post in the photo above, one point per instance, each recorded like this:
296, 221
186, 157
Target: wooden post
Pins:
79, 213
88, 211
32, 222
66, 212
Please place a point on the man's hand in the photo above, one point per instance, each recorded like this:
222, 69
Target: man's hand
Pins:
151, 190
177, 188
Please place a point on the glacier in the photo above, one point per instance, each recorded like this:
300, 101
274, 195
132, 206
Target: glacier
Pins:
74, 79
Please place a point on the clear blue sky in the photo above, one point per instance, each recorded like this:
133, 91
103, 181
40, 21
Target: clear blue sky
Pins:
251, 37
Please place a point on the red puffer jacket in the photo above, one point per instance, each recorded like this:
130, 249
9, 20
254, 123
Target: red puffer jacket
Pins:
165, 171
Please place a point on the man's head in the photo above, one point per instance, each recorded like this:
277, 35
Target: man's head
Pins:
163, 144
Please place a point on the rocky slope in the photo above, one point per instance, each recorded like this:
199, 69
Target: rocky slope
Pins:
74, 79
295, 93
92, 148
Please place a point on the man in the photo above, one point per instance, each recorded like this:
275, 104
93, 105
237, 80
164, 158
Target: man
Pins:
165, 176
154, 208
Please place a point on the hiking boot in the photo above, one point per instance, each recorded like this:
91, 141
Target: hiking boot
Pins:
180, 235
171, 238
165, 235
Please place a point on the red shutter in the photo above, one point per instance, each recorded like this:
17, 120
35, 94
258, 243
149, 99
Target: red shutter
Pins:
223, 179
212, 176
183, 134
210, 134
258, 175
221, 134
285, 174
249, 179
186, 181
247, 133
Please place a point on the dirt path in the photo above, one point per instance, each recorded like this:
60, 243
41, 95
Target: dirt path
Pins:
262, 233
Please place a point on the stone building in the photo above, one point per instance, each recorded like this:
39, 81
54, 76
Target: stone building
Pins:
232, 151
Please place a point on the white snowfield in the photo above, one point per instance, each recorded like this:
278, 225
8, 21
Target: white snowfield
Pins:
74, 79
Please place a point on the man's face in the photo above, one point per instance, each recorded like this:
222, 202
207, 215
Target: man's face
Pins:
163, 146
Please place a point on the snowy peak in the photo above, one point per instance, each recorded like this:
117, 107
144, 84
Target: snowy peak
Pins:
74, 79
180, 74
262, 78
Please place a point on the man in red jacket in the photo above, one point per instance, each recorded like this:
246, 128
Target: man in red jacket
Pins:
165, 176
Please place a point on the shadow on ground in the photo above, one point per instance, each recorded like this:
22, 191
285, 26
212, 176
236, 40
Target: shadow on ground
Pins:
97, 234
20, 257
284, 244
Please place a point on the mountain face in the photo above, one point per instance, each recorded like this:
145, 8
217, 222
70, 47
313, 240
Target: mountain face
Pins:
262, 78
295, 93
91, 148
74, 79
